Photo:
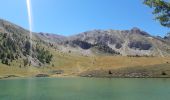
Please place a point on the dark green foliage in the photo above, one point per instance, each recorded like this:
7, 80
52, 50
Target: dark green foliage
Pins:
167, 37
82, 44
163, 73
8, 48
43, 55
52, 65
4, 35
161, 10
27, 47
106, 49
5, 61
25, 61
13, 46
110, 72
15, 43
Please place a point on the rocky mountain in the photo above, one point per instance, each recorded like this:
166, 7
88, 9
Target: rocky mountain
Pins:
16, 44
134, 42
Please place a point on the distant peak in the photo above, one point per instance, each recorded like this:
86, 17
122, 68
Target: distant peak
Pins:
135, 29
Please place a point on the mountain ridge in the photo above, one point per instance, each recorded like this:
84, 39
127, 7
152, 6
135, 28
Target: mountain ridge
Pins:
95, 53
126, 42
133, 42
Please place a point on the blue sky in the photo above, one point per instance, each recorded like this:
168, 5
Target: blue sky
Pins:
69, 17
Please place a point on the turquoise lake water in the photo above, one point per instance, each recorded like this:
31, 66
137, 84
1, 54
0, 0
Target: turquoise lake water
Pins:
84, 89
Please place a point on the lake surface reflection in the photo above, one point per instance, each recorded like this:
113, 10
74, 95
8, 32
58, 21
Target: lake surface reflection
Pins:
85, 89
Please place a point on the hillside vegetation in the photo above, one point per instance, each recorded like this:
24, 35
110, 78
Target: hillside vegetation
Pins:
92, 53
16, 44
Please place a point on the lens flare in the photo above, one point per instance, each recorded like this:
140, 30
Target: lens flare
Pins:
30, 86
30, 22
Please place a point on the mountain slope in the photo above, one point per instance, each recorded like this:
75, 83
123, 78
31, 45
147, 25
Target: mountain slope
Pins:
97, 52
132, 42
16, 44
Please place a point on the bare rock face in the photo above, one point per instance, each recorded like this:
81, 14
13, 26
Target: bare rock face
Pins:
122, 42
119, 42
136, 30
81, 44
139, 45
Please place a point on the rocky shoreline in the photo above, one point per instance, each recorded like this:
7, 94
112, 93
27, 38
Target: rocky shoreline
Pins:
122, 75
155, 71
90, 75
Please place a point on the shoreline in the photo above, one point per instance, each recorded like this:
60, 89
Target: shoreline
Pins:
27, 77
154, 71
104, 77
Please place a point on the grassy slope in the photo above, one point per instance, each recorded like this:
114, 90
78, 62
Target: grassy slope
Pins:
75, 64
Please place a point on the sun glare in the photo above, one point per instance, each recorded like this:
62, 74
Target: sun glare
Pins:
29, 20
29, 14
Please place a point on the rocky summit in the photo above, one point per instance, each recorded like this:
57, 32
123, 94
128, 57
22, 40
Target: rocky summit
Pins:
134, 42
